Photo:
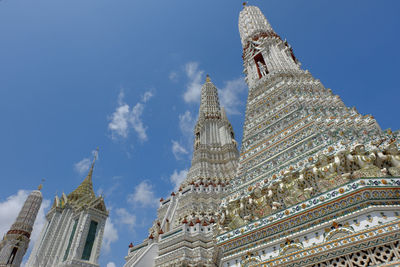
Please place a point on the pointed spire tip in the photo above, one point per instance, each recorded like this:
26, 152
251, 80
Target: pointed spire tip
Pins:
208, 79
94, 160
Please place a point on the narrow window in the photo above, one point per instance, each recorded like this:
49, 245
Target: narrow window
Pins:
12, 256
71, 237
261, 66
87, 251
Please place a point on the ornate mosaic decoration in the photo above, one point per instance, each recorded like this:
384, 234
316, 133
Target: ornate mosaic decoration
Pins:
316, 183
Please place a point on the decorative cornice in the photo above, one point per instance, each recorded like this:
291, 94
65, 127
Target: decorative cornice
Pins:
311, 204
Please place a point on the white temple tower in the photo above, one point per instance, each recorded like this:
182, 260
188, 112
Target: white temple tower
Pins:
318, 184
74, 231
15, 243
183, 234
290, 115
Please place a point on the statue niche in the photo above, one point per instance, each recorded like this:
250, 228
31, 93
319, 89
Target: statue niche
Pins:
197, 140
261, 65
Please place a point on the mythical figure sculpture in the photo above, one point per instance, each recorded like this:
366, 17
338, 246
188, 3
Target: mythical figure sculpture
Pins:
365, 162
391, 155
331, 171
223, 219
307, 182
272, 198
324, 168
260, 199
291, 187
247, 209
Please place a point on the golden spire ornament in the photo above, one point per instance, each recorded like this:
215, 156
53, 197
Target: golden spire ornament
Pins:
41, 185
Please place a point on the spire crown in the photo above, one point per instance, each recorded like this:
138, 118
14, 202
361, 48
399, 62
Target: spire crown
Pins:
209, 103
251, 22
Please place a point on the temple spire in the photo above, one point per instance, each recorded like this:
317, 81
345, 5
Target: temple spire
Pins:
92, 166
85, 189
209, 103
251, 23
15, 242
208, 79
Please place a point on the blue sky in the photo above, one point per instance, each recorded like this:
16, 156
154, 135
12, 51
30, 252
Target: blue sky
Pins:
125, 75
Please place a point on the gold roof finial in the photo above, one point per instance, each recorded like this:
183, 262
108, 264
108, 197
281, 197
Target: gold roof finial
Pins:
208, 78
41, 185
244, 3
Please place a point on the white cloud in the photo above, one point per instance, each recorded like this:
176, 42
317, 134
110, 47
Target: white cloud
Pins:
186, 123
83, 166
10, 208
125, 217
193, 89
124, 118
229, 95
173, 76
136, 121
119, 122
178, 177
146, 96
121, 96
184, 146
110, 235
178, 150
111, 264
109, 190
143, 194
